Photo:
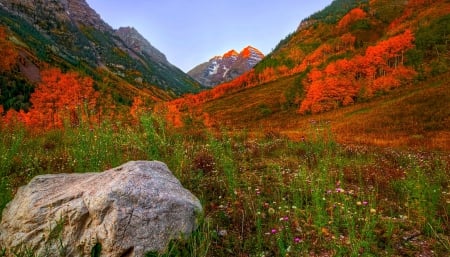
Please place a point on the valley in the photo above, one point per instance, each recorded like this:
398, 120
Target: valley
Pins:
336, 143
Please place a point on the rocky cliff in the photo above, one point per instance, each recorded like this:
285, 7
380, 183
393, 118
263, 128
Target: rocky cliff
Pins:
225, 68
69, 33
49, 13
139, 44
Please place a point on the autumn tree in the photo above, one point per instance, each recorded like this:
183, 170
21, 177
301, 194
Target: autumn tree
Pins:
351, 17
8, 55
340, 83
61, 97
348, 40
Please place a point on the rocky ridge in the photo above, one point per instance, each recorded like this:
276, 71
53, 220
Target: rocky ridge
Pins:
139, 44
227, 67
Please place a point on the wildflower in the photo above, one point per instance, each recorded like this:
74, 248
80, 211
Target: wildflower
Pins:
273, 231
373, 211
340, 190
358, 203
222, 232
271, 211
365, 203
297, 240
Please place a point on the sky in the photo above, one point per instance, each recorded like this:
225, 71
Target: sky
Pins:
190, 32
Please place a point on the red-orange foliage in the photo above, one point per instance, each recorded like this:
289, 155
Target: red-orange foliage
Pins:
348, 40
174, 115
283, 70
351, 17
2, 122
8, 55
136, 108
174, 108
296, 55
380, 69
61, 97
13, 117
267, 74
319, 55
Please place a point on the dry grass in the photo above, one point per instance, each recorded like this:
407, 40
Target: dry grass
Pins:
416, 116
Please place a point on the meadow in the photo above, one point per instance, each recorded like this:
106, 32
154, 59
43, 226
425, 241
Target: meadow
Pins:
262, 196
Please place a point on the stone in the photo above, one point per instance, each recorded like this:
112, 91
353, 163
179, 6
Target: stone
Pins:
127, 211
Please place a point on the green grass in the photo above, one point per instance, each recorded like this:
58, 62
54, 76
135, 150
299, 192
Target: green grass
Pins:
267, 196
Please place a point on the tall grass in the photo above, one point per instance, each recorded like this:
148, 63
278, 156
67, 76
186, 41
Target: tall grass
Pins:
266, 196
11, 143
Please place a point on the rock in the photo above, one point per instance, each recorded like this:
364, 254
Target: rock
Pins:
128, 211
134, 40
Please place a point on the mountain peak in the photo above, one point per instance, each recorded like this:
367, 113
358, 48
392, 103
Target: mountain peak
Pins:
139, 44
224, 68
252, 54
249, 50
230, 54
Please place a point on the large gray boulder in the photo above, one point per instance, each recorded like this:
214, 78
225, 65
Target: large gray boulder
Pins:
129, 210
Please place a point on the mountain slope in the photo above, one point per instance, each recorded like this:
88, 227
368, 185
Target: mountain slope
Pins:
70, 34
139, 44
225, 68
351, 54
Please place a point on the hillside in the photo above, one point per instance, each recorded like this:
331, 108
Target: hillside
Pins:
349, 56
227, 67
71, 36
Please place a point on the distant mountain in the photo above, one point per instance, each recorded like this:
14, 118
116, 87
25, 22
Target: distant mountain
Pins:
71, 35
225, 68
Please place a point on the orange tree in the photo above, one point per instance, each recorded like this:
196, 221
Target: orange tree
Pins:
61, 96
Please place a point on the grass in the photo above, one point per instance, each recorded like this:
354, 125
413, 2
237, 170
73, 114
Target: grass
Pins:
414, 116
266, 196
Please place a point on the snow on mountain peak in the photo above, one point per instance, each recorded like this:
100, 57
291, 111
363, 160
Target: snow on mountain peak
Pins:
224, 68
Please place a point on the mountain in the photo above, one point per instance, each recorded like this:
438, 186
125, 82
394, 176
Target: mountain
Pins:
139, 44
225, 68
374, 71
71, 35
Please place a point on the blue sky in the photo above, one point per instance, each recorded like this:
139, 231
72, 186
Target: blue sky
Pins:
190, 32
